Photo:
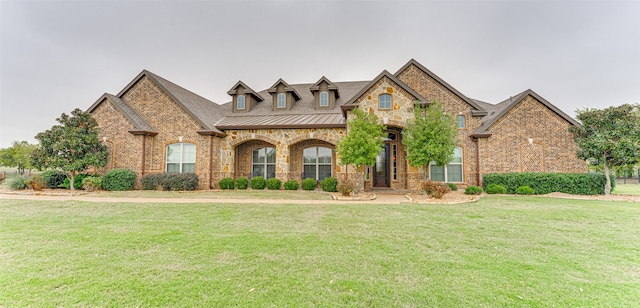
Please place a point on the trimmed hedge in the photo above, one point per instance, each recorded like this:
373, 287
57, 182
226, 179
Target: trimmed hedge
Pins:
258, 182
525, 190
329, 184
473, 190
493, 189
170, 181
453, 187
309, 184
274, 184
53, 178
118, 179
291, 185
544, 183
151, 181
226, 183
242, 183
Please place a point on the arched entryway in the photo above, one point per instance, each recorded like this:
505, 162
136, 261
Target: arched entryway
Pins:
389, 168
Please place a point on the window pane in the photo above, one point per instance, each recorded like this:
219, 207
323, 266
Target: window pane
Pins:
309, 155
241, 102
310, 171
324, 171
171, 167
173, 153
189, 154
457, 155
385, 101
282, 100
271, 172
460, 121
454, 173
257, 170
324, 155
188, 168
324, 98
258, 155
271, 155
437, 173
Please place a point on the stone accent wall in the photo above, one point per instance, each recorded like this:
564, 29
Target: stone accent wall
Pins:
509, 150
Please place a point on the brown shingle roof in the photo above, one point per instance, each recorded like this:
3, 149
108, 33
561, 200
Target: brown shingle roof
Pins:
139, 124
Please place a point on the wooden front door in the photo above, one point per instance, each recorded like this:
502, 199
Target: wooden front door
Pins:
381, 168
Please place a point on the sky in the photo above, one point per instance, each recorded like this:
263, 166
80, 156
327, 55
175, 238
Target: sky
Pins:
56, 56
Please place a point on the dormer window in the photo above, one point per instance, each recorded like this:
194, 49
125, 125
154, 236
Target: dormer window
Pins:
240, 102
384, 101
282, 100
324, 99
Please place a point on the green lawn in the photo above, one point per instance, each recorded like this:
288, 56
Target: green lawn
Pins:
499, 252
627, 189
223, 194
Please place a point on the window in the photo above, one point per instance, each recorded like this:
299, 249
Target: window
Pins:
282, 100
460, 120
240, 101
316, 163
181, 158
394, 161
384, 101
264, 162
324, 99
452, 172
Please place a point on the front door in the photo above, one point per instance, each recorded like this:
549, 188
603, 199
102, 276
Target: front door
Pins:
381, 178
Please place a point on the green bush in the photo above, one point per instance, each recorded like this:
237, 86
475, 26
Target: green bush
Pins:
226, 183
473, 190
180, 181
525, 190
329, 184
345, 188
258, 182
18, 182
291, 185
453, 187
544, 183
118, 180
493, 189
242, 183
151, 181
309, 184
274, 184
77, 181
91, 183
53, 178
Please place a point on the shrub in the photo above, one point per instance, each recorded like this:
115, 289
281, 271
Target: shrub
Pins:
274, 184
329, 184
453, 187
36, 182
119, 179
53, 178
473, 190
91, 183
18, 182
436, 189
525, 190
291, 185
258, 182
544, 183
151, 181
496, 189
345, 188
309, 184
180, 181
77, 181
226, 183
2, 177
242, 183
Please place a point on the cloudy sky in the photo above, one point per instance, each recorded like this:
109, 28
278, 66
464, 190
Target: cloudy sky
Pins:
56, 56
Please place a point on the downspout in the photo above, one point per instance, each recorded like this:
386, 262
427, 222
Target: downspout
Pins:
144, 150
475, 140
211, 162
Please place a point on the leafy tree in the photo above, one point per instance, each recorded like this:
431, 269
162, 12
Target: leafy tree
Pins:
18, 155
362, 143
610, 137
73, 146
431, 137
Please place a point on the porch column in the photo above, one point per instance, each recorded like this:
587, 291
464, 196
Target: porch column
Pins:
282, 162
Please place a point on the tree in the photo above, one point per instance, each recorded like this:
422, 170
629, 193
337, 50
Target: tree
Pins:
431, 137
72, 146
362, 143
610, 137
18, 155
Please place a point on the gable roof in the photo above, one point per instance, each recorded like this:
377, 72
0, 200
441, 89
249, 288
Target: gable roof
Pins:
350, 103
479, 111
287, 88
247, 90
330, 85
139, 124
500, 109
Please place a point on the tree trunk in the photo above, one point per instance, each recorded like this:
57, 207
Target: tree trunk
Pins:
358, 182
72, 178
607, 186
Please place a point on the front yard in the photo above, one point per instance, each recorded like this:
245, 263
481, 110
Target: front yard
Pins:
500, 251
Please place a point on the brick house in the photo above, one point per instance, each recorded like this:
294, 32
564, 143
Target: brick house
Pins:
289, 131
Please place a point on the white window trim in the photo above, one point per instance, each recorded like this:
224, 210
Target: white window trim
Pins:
446, 176
244, 102
317, 164
182, 162
326, 93
284, 100
265, 164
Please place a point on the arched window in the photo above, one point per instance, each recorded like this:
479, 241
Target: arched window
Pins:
324, 99
460, 120
384, 101
241, 104
316, 162
264, 162
452, 172
282, 100
181, 158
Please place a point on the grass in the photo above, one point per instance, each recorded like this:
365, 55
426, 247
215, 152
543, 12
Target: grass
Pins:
223, 194
627, 189
501, 251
